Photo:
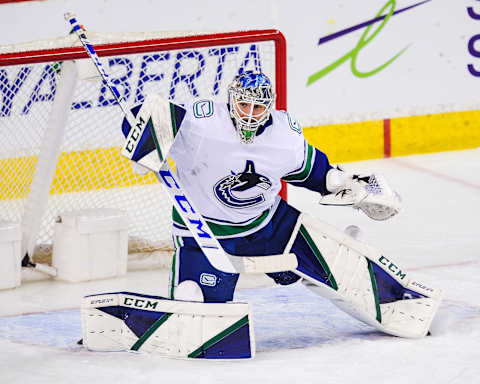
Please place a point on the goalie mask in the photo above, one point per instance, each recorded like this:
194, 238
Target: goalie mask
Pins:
251, 99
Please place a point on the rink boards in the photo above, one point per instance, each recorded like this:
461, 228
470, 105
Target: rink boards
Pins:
397, 136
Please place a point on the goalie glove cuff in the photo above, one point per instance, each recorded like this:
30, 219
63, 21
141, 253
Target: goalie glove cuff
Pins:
346, 189
336, 179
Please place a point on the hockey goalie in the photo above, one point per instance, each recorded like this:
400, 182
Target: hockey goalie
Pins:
230, 158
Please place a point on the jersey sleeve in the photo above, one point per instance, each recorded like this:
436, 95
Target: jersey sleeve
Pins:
312, 171
147, 144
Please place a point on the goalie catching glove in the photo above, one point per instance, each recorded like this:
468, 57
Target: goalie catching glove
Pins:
369, 193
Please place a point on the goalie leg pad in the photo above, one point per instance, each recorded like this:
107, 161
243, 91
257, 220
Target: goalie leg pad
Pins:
363, 282
123, 321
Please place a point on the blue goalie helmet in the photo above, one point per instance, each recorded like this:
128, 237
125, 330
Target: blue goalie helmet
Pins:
251, 99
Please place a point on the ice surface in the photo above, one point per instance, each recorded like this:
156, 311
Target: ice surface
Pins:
300, 336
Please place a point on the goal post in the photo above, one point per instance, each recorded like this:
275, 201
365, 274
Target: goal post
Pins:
60, 129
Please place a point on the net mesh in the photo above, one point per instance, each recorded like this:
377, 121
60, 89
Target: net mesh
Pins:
89, 172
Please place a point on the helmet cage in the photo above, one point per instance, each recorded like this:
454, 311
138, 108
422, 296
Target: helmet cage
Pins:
243, 91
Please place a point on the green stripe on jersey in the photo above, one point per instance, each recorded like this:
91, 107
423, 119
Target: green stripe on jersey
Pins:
223, 229
305, 171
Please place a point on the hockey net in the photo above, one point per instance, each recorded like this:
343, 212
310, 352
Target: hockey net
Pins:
82, 169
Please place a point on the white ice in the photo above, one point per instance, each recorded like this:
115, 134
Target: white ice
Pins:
300, 337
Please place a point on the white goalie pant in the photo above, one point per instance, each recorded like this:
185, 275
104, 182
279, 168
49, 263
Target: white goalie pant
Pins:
125, 321
360, 273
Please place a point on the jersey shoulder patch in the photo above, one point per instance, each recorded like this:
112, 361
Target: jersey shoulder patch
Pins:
202, 109
293, 124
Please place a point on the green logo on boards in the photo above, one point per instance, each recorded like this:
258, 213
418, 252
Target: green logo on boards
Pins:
364, 40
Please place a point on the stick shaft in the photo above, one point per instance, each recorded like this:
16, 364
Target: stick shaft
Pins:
82, 36
194, 221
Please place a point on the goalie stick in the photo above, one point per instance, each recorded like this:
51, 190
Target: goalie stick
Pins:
184, 205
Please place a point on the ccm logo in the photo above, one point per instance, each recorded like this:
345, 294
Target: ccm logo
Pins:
135, 135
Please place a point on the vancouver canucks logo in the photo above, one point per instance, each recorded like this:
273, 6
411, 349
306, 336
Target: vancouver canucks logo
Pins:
233, 189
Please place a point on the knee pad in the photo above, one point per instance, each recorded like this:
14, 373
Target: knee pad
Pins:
188, 290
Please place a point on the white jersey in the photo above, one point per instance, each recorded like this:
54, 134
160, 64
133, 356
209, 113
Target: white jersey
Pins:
231, 183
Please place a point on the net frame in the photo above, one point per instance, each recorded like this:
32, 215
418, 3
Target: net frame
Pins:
25, 56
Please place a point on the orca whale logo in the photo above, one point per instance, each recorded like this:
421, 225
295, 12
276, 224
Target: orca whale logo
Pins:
225, 188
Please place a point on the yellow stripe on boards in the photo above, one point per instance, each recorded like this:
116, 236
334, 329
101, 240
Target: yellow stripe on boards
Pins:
77, 171
435, 133
105, 169
409, 135
348, 142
